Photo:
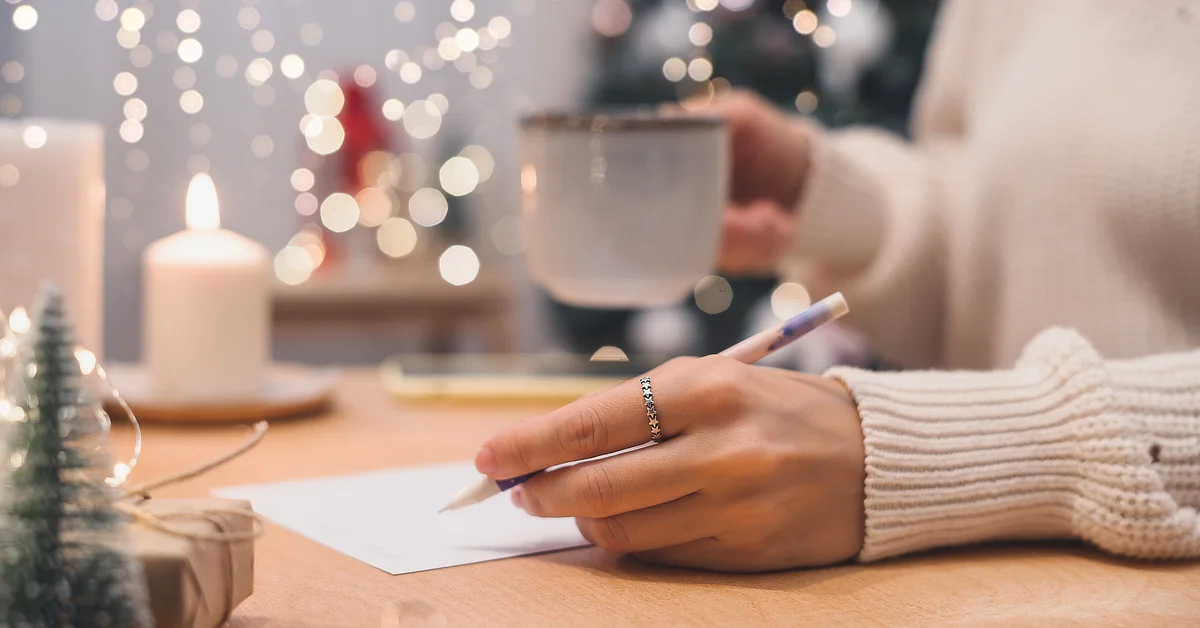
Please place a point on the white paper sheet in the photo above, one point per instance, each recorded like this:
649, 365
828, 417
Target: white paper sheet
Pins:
389, 519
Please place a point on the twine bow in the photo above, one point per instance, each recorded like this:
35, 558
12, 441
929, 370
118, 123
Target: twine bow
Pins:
132, 497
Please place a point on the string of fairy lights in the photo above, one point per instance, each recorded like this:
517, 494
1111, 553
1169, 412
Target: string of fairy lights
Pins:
465, 45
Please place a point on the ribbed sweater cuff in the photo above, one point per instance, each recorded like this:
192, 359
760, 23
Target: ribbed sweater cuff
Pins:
1050, 449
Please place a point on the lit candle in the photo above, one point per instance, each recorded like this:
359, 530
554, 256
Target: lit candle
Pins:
207, 312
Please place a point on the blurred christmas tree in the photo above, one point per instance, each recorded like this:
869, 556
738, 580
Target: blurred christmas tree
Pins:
61, 558
840, 61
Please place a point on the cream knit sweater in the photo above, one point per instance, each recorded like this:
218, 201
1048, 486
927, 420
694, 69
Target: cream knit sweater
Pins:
1053, 179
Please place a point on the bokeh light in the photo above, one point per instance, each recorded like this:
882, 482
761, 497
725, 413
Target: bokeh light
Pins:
262, 146
422, 119
467, 39
227, 66
135, 109
806, 101
132, 19
128, 39
410, 72
700, 34
188, 21
9, 176
674, 69
200, 134
440, 101
106, 10
25, 17
700, 69
191, 101
838, 8
328, 137
34, 136
805, 22
374, 207
462, 10
393, 109
713, 294
293, 265
459, 265
306, 204
311, 34
481, 77
458, 176
364, 76
184, 77
12, 72
125, 83
500, 27
248, 18
292, 66
262, 41
394, 58
140, 56
789, 299
259, 71
339, 212
190, 50
131, 131
428, 207
824, 36
405, 11
302, 179
396, 237
324, 98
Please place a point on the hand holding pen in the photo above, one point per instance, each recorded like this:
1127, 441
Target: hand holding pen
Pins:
758, 468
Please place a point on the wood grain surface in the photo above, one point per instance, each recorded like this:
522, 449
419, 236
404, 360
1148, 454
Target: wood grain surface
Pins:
299, 583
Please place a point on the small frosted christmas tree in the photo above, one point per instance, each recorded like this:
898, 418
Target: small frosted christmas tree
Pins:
63, 560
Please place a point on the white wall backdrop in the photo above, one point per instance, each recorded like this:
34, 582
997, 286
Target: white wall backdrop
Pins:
71, 56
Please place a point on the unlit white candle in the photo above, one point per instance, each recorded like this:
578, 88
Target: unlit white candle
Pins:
52, 218
206, 325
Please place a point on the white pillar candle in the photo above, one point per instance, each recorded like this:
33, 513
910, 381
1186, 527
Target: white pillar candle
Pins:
207, 312
52, 218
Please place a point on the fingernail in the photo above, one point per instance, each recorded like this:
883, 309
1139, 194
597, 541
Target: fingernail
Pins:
485, 461
518, 498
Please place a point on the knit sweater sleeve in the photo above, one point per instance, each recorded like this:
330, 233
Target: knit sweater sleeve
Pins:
1064, 446
871, 218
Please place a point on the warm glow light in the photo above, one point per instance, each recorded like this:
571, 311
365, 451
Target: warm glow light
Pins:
700, 34
706, 5
190, 50
465, 62
262, 41
339, 212
262, 146
394, 58
125, 83
202, 208
86, 359
364, 76
292, 66
226, 65
459, 265
191, 101
328, 137
674, 69
467, 39
259, 71
838, 8
458, 176
18, 320
12, 72
133, 19
128, 39
374, 207
422, 119
428, 207
311, 34
448, 49
393, 109
824, 36
34, 136
529, 178
188, 21
248, 18
500, 27
396, 237
700, 69
293, 265
131, 131
789, 299
611, 18
410, 72
302, 179
462, 10
9, 176
805, 22
324, 98
306, 204
25, 17
140, 56
106, 10
405, 11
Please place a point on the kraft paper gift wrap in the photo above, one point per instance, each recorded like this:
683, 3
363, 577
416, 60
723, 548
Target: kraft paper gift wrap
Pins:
195, 583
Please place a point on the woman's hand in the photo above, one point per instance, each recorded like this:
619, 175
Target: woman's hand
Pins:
762, 468
770, 157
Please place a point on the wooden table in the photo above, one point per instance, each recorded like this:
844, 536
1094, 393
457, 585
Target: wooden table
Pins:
302, 584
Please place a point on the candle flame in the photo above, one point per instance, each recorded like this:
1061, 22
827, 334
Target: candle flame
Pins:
202, 209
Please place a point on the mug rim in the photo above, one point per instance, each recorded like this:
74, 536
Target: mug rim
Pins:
618, 120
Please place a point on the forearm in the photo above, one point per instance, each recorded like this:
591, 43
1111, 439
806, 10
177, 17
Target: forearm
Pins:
1063, 446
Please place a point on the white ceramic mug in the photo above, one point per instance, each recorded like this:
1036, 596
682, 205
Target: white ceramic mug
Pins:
622, 210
